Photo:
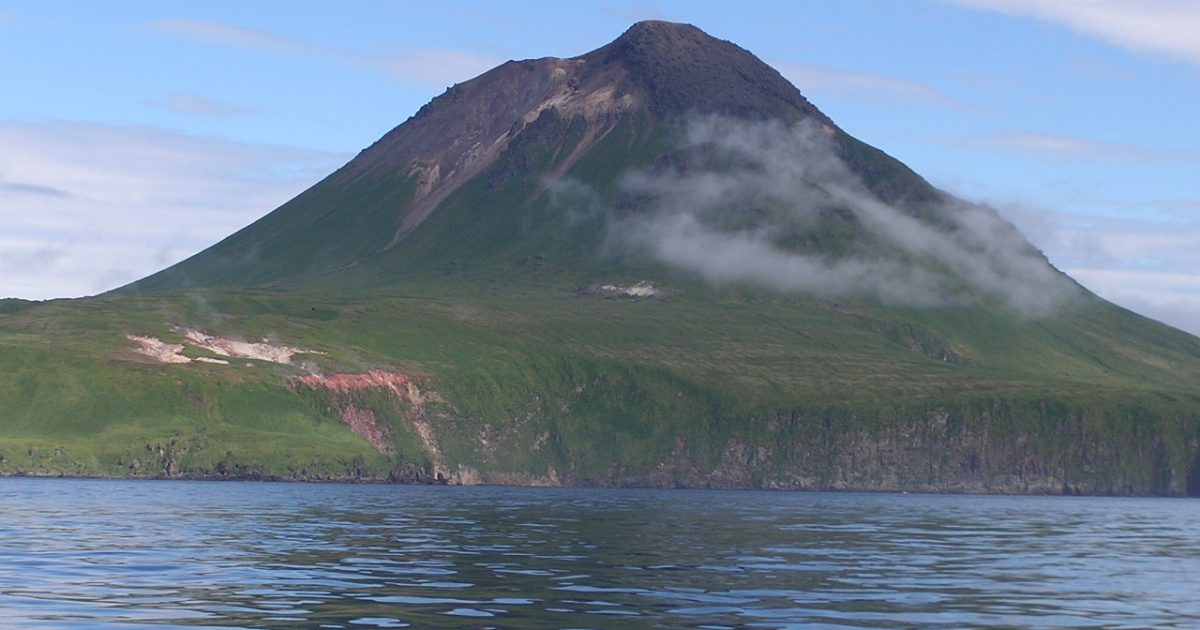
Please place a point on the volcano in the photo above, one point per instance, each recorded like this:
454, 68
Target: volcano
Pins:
655, 264
481, 156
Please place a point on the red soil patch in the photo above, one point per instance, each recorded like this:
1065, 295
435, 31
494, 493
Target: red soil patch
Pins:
363, 422
346, 383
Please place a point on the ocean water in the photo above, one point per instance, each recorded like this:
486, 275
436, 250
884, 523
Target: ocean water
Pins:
138, 554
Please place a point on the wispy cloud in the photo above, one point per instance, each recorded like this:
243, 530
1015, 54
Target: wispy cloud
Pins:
1171, 298
1074, 148
824, 81
230, 35
424, 66
1185, 207
87, 207
1163, 27
1144, 258
431, 66
750, 206
8, 188
194, 104
630, 12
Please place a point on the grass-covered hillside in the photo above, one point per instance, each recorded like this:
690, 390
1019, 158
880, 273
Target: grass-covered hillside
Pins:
540, 386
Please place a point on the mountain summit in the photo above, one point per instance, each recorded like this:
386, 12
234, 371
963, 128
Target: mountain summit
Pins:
655, 264
677, 69
617, 108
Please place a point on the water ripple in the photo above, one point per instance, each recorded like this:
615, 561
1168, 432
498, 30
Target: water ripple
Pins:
116, 554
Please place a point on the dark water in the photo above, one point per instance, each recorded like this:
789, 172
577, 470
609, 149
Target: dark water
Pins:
115, 554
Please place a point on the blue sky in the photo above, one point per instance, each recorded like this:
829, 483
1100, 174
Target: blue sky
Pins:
133, 134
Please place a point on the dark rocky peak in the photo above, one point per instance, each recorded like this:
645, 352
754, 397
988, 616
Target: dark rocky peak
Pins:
681, 69
469, 116
664, 68
660, 39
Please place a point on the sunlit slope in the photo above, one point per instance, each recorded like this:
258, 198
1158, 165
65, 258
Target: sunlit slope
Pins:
555, 388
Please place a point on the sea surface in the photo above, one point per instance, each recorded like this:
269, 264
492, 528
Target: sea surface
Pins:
137, 554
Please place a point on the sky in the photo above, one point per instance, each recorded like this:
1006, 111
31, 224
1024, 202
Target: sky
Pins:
135, 134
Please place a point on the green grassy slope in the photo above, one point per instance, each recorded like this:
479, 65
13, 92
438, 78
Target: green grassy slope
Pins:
76, 401
323, 230
545, 386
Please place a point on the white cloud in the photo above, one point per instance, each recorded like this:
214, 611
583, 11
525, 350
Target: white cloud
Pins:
1074, 148
8, 189
228, 34
1146, 261
1164, 27
830, 82
88, 207
194, 104
752, 215
433, 67
630, 12
1171, 298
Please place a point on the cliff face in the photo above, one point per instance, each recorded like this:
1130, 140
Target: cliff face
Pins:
990, 451
1026, 448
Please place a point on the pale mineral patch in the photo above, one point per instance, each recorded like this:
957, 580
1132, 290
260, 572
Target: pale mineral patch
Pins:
158, 349
226, 347
164, 352
642, 289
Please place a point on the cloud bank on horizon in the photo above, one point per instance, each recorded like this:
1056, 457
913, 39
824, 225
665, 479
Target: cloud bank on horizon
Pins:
90, 207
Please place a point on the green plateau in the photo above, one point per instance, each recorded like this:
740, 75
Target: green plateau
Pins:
529, 282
